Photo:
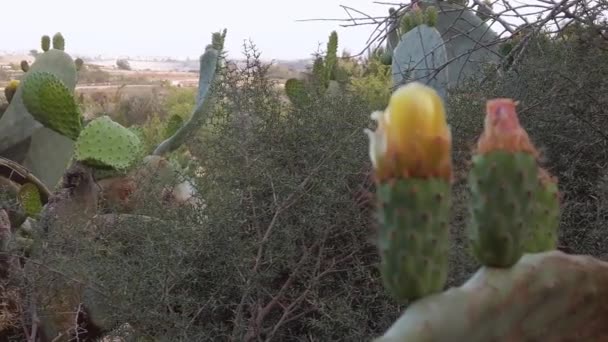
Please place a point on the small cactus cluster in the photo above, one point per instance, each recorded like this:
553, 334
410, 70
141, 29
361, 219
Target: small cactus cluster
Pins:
418, 16
514, 203
25, 119
324, 70
102, 143
426, 40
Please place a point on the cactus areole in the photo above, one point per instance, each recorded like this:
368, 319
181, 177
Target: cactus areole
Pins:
410, 153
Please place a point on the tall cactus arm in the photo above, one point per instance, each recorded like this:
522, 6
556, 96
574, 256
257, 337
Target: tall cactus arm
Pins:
548, 296
209, 61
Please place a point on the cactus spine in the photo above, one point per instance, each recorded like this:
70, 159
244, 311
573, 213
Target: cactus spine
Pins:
410, 151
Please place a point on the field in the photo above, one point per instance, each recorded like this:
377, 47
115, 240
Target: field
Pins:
102, 75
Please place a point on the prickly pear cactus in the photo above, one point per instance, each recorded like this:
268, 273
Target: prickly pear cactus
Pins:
45, 43
543, 232
410, 151
421, 57
51, 103
544, 296
469, 42
25, 66
296, 91
21, 132
30, 200
503, 181
104, 143
58, 42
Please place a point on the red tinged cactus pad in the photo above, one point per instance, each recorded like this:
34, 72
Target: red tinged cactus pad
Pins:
504, 183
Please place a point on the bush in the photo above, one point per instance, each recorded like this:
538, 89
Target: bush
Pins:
282, 250
93, 74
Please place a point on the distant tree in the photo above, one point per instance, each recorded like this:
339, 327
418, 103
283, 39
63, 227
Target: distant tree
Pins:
123, 64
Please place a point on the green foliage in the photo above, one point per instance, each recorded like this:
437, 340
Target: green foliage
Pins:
374, 85
319, 80
265, 169
179, 101
296, 91
173, 124
331, 56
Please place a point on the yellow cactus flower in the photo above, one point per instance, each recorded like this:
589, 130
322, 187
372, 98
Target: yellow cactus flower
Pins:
412, 138
10, 90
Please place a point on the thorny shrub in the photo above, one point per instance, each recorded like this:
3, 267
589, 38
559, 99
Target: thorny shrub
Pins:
282, 249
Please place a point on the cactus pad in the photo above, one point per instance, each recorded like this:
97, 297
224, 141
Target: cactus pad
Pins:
51, 103
58, 42
45, 43
30, 200
542, 235
414, 236
25, 66
104, 143
502, 186
78, 62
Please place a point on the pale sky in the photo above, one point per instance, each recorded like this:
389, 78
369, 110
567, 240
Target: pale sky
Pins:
182, 28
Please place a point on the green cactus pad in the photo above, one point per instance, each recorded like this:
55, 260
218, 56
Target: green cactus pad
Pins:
58, 42
45, 43
542, 235
295, 90
30, 200
78, 62
502, 188
25, 66
51, 103
414, 236
104, 143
